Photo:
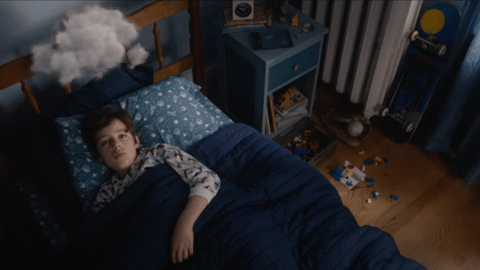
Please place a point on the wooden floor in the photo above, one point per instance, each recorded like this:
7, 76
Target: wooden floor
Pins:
436, 220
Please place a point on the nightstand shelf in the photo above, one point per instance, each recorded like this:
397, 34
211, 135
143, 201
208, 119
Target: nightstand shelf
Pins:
248, 77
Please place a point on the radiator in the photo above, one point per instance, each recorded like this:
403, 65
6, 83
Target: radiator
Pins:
366, 41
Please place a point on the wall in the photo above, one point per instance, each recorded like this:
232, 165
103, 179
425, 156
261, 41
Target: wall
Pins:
24, 24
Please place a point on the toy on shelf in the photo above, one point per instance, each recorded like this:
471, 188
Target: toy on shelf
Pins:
348, 174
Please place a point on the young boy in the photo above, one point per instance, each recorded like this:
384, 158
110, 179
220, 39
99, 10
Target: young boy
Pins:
112, 136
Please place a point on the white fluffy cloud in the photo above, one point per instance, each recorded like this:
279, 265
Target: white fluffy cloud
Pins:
92, 41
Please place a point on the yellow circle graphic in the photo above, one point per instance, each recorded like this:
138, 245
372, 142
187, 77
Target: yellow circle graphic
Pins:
432, 21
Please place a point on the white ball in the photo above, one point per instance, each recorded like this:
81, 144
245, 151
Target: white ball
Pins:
355, 128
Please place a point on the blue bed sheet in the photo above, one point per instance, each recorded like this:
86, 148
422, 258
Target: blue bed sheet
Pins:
273, 211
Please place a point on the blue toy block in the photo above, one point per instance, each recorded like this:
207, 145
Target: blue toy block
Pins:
301, 152
338, 171
370, 180
374, 194
385, 160
334, 175
349, 183
394, 197
367, 161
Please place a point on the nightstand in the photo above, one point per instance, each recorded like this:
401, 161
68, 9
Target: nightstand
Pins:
248, 77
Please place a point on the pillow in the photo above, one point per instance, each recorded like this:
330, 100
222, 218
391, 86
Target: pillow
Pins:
114, 84
173, 111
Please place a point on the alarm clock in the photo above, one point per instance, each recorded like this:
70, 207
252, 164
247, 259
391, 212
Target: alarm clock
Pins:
242, 10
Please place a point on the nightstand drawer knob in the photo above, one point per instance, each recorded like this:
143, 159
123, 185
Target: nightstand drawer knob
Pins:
295, 67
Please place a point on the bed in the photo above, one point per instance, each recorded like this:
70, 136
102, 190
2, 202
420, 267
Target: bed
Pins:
273, 210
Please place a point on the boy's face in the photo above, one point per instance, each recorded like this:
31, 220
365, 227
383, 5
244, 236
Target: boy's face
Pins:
117, 146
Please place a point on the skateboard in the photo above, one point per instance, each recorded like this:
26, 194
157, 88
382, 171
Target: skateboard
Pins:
419, 71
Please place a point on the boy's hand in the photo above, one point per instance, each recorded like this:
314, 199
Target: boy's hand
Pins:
182, 239
182, 243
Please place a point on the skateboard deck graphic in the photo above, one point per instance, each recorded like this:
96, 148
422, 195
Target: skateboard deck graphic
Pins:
420, 71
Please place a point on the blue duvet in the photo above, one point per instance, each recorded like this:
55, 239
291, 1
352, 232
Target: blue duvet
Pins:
273, 211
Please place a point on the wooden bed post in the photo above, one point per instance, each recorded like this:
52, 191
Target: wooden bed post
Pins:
196, 45
68, 89
158, 44
31, 99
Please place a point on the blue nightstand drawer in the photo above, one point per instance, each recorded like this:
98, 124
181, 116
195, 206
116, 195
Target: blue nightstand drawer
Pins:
293, 66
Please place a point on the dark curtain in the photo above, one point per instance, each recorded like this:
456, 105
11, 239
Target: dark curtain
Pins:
455, 121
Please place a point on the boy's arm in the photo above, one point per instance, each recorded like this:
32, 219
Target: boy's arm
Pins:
204, 185
202, 181
182, 239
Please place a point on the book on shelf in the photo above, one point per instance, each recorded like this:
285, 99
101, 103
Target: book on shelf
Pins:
272, 113
296, 100
290, 120
267, 123
297, 111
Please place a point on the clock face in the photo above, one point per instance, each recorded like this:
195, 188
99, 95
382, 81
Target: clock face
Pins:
243, 10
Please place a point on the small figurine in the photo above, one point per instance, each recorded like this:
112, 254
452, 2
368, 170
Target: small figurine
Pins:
269, 17
294, 19
305, 27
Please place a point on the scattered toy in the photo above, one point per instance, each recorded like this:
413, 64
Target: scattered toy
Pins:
376, 163
369, 200
307, 133
370, 180
385, 160
377, 158
363, 168
348, 174
361, 153
336, 176
374, 194
367, 161
394, 197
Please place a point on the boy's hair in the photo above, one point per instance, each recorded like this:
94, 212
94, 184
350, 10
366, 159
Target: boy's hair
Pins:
98, 119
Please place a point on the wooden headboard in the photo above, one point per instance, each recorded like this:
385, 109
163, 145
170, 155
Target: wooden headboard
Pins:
18, 70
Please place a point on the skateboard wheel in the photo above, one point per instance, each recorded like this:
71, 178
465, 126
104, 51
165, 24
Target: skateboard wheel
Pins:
408, 127
440, 49
412, 35
383, 112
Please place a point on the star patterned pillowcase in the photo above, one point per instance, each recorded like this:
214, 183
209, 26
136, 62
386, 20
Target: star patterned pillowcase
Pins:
173, 111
